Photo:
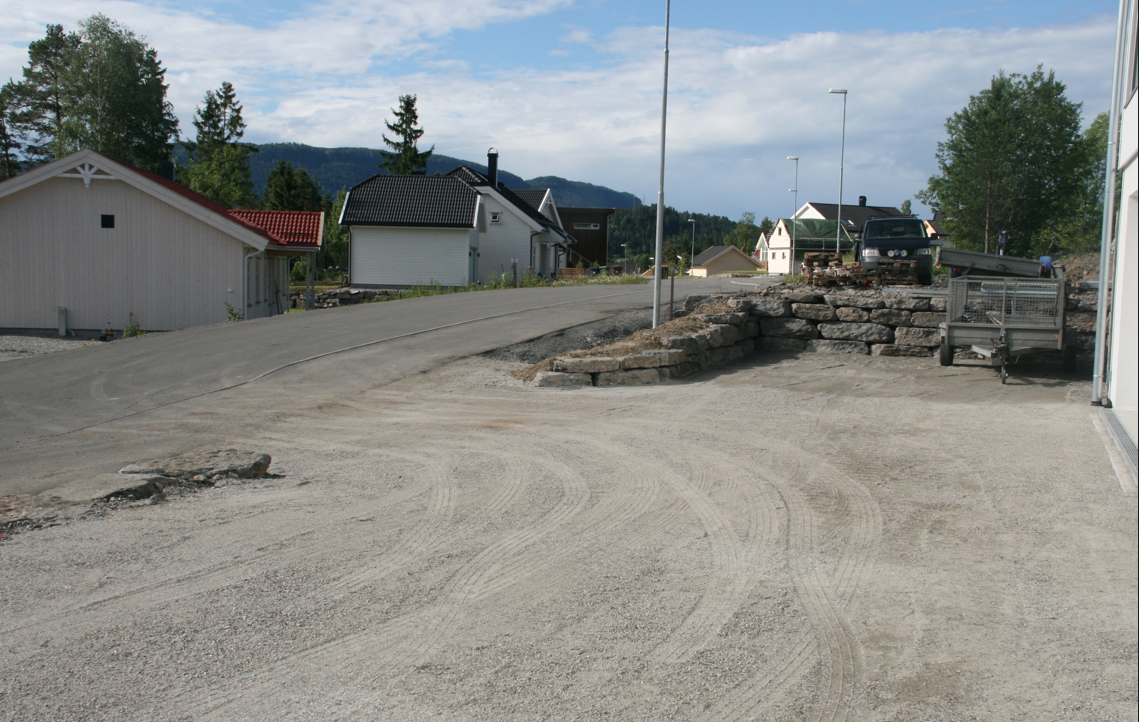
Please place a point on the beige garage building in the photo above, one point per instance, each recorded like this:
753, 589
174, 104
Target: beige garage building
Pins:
89, 241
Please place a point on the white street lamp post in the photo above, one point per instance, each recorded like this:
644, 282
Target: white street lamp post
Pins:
841, 154
692, 253
795, 209
660, 186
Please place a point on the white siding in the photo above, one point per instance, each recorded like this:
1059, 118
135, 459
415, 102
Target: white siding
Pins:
507, 239
410, 256
166, 267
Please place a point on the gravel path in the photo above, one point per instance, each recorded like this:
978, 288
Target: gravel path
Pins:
16, 347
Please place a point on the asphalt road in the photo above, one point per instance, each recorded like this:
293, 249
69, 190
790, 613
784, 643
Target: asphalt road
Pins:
339, 351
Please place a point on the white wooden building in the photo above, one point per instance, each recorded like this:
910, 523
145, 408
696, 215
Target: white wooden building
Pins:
88, 242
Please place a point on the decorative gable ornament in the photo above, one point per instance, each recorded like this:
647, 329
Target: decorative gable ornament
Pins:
88, 172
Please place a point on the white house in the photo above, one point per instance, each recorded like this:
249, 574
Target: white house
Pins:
88, 242
454, 229
853, 216
790, 239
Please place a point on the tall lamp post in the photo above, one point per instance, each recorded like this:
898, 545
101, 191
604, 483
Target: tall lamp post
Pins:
841, 153
660, 186
692, 253
795, 209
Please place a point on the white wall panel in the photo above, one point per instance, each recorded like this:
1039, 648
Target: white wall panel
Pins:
409, 256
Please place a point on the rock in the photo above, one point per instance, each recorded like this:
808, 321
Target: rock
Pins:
554, 378
587, 365
770, 307
747, 346
687, 344
719, 335
639, 362
668, 357
680, 370
937, 304
813, 311
131, 486
868, 332
852, 315
917, 337
890, 317
628, 378
242, 464
749, 329
804, 297
823, 346
905, 303
855, 301
788, 328
927, 319
723, 318
889, 349
771, 343
695, 301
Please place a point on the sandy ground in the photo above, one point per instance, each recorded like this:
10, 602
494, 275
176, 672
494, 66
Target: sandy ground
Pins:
813, 538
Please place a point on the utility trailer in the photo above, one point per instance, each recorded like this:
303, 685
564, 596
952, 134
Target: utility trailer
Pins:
1002, 319
974, 263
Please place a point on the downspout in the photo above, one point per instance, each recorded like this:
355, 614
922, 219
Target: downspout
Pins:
245, 285
1107, 235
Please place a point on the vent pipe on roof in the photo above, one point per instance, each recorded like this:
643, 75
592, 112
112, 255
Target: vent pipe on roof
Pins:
861, 201
492, 167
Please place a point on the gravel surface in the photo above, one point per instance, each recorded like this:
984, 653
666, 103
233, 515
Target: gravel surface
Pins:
584, 336
14, 347
810, 538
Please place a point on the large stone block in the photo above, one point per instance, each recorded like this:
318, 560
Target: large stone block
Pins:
747, 346
855, 301
554, 378
680, 370
771, 343
813, 311
867, 332
788, 328
927, 319
890, 317
723, 318
852, 315
937, 304
905, 303
720, 335
804, 297
636, 377
824, 346
695, 301
669, 357
917, 337
889, 349
749, 329
770, 307
599, 364
687, 344
644, 361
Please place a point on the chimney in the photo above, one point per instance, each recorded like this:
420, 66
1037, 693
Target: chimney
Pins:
492, 167
861, 201
166, 170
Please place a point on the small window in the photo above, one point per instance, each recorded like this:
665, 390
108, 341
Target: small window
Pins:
587, 226
495, 216
107, 221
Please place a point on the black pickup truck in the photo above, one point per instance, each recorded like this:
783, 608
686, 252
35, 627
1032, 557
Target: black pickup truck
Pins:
900, 239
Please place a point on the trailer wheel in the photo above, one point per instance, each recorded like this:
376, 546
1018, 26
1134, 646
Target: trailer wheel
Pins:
1004, 374
1069, 359
945, 353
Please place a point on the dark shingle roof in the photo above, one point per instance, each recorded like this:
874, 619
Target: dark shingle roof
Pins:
411, 200
533, 196
479, 180
855, 215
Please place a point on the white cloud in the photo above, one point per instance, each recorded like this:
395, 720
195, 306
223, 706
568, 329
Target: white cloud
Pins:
737, 104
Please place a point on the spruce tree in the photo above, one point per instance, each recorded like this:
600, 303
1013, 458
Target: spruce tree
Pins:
219, 162
36, 102
292, 189
405, 158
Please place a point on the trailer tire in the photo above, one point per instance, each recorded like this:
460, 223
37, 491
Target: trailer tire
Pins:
1069, 359
945, 353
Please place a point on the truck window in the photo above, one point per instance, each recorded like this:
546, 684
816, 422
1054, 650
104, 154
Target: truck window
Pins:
894, 228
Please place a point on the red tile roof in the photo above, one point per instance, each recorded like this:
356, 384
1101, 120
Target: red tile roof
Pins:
295, 229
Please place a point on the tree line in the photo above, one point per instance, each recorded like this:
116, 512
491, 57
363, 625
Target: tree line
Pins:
632, 234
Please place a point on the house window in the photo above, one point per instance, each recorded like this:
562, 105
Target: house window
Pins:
587, 226
495, 217
107, 221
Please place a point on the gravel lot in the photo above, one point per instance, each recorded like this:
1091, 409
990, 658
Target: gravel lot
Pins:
812, 538
14, 347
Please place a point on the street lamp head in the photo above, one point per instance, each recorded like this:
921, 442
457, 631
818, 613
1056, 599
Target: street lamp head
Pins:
792, 190
792, 157
691, 220
839, 91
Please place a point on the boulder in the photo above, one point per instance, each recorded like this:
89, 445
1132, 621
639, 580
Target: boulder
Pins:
852, 315
927, 319
104, 486
687, 344
770, 307
594, 365
720, 335
889, 349
640, 362
905, 303
868, 332
804, 297
669, 357
723, 318
824, 346
813, 311
890, 317
553, 378
636, 377
771, 343
788, 328
747, 346
854, 301
230, 462
749, 329
695, 301
937, 304
917, 337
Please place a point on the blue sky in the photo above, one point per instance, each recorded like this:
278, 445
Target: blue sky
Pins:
572, 87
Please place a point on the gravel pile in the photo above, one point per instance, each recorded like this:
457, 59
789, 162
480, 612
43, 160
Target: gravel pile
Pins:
16, 347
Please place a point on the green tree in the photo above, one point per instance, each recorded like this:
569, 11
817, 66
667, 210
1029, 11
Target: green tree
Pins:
9, 144
219, 162
36, 109
745, 234
907, 208
1079, 227
292, 189
114, 97
336, 235
1011, 162
405, 158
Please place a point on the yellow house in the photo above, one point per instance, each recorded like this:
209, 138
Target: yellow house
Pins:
723, 259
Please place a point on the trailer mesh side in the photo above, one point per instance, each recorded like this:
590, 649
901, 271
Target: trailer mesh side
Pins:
1001, 301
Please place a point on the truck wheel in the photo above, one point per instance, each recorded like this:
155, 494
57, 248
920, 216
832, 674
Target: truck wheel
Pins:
1069, 359
945, 353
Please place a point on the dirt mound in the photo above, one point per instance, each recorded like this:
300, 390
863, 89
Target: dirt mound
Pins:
1084, 267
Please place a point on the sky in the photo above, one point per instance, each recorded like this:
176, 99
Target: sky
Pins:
572, 88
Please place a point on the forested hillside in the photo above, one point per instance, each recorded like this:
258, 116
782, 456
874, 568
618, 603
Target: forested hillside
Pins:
637, 228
